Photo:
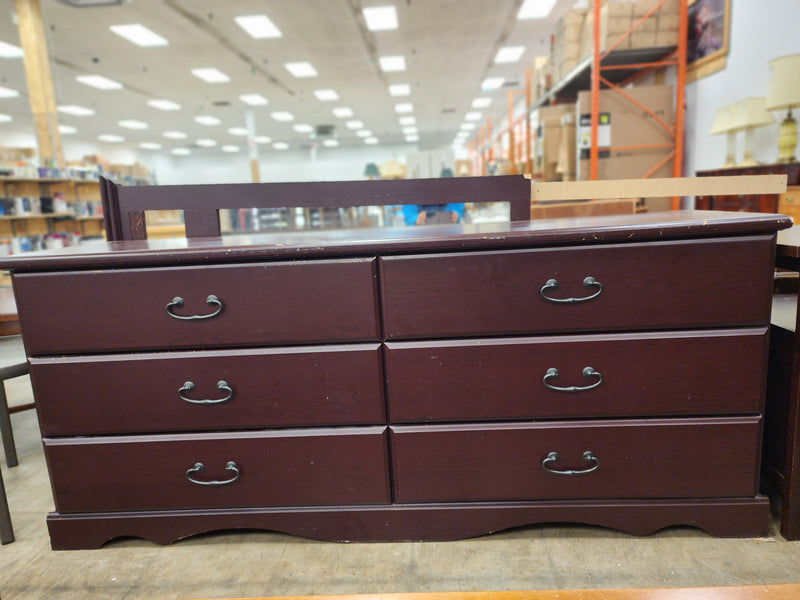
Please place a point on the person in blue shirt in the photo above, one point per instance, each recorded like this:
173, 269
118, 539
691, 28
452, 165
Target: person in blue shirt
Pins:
421, 214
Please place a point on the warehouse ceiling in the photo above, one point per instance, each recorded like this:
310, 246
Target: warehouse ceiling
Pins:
449, 47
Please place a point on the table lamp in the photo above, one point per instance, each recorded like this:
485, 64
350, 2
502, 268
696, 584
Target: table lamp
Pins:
371, 171
747, 115
722, 124
783, 93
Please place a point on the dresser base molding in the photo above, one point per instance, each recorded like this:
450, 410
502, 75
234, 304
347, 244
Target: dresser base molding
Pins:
727, 517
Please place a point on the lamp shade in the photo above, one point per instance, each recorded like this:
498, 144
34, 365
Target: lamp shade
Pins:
783, 87
722, 121
446, 172
751, 112
371, 170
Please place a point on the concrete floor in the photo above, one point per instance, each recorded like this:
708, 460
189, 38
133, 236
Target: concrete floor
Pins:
268, 564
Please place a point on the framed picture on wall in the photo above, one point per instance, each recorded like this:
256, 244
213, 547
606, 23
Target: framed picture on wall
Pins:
707, 37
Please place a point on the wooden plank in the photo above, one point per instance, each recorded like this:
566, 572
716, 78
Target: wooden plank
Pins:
674, 186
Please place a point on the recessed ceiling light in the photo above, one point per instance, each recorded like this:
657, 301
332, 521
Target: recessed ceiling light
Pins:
509, 54
206, 143
481, 102
207, 120
392, 63
139, 35
263, 139
4, 118
301, 69
303, 128
132, 124
326, 95
99, 82
354, 125
66, 129
535, 9
410, 130
8, 93
343, 112
365, 133
258, 26
253, 99
282, 115
241, 131
150, 146
473, 116
175, 135
462, 135
407, 121
10, 51
371, 141
467, 126
492, 83
230, 148
280, 146
164, 104
330, 143
380, 18
107, 137
404, 107
400, 89
412, 138
78, 111
210, 75
181, 151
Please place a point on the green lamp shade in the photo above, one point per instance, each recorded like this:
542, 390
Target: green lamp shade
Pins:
371, 170
446, 172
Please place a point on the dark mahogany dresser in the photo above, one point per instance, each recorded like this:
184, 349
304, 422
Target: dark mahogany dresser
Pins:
405, 384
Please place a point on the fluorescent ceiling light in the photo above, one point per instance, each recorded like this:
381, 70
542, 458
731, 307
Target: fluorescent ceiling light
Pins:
326, 95
181, 151
282, 115
66, 129
473, 116
10, 51
107, 137
365, 133
78, 111
407, 121
410, 130
509, 54
253, 99
132, 124
150, 146
303, 128
175, 135
99, 82
535, 9
4, 118
481, 102
412, 138
301, 69
230, 148
258, 26
210, 75
8, 93
492, 83
462, 135
207, 120
164, 104
354, 125
400, 89
280, 146
206, 143
380, 18
241, 131
371, 141
263, 139
392, 63
330, 143
343, 112
467, 126
404, 107
139, 35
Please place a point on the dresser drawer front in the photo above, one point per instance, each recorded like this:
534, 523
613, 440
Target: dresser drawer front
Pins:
667, 458
636, 374
289, 468
269, 303
725, 282
232, 389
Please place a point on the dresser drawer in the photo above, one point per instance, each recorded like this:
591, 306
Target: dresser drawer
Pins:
635, 374
230, 389
256, 304
273, 468
724, 282
667, 458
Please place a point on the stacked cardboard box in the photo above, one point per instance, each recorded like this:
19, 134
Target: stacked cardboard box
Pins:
661, 29
567, 42
548, 139
616, 18
541, 75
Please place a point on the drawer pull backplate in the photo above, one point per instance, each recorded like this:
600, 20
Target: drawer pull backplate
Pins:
200, 467
177, 302
588, 282
588, 456
221, 385
587, 372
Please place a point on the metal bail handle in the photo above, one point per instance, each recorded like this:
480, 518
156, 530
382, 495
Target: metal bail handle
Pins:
588, 282
200, 467
177, 302
553, 457
221, 385
587, 372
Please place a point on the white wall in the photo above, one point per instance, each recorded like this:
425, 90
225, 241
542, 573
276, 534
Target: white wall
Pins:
759, 31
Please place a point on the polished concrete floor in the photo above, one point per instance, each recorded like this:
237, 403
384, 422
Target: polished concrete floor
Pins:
255, 564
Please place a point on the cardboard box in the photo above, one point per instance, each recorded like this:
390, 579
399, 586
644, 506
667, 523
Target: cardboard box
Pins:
667, 38
668, 22
567, 148
643, 39
548, 139
642, 7
618, 8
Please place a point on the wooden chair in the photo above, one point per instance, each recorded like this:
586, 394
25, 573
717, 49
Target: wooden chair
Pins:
124, 206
